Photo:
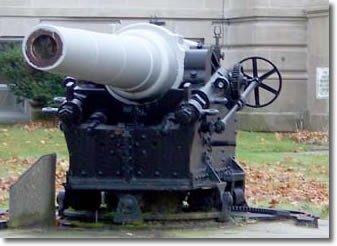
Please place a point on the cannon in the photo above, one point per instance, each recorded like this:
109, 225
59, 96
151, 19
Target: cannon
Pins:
149, 119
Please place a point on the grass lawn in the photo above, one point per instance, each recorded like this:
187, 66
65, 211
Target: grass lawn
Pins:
261, 149
279, 171
23, 141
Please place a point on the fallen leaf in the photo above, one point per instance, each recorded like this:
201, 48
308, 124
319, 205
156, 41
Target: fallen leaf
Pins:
278, 136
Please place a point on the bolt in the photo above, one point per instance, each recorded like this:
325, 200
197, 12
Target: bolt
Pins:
156, 173
128, 202
193, 74
221, 83
100, 173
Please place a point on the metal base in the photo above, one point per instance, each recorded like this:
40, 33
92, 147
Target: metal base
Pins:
103, 216
3, 223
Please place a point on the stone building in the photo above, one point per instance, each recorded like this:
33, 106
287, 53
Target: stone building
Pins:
292, 34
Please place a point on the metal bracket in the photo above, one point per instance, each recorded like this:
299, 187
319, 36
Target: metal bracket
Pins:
301, 218
3, 222
226, 197
128, 210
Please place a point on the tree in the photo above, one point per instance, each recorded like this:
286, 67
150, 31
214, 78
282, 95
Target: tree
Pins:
25, 81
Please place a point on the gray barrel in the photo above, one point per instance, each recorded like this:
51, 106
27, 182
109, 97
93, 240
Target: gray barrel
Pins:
138, 62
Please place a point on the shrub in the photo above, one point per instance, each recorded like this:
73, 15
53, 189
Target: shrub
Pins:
25, 81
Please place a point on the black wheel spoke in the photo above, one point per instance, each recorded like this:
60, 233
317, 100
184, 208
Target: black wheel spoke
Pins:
247, 76
254, 68
244, 74
267, 74
268, 88
257, 96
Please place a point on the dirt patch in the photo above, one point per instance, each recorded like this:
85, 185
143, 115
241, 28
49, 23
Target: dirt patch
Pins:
16, 167
307, 137
278, 183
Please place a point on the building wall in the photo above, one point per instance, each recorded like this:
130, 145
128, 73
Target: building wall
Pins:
318, 57
285, 33
282, 31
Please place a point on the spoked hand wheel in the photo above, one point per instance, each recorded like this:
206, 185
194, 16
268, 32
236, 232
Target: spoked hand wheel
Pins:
271, 92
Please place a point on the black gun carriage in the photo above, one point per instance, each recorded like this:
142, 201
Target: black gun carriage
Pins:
150, 120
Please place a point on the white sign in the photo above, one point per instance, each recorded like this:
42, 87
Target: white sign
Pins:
322, 82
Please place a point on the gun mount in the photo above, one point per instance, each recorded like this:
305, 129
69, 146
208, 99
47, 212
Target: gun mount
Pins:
149, 116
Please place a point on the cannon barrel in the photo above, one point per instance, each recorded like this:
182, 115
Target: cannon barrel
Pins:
139, 62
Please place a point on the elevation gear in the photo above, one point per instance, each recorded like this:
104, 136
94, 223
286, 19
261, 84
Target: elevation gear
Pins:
236, 81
